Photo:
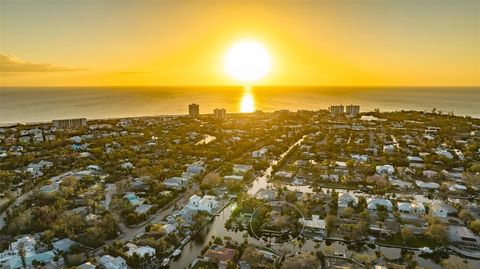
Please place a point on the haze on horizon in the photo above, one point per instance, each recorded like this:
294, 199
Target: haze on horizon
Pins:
129, 43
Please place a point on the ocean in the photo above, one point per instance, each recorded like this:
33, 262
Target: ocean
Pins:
23, 105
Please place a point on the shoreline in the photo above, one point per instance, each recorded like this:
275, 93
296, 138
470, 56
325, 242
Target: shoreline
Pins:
33, 123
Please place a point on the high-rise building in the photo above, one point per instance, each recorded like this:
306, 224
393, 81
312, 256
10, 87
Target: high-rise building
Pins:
220, 113
194, 110
352, 110
69, 123
336, 110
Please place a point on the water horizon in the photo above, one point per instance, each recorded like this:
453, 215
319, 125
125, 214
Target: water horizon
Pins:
43, 104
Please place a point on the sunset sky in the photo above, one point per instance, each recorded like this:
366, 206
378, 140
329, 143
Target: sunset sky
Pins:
83, 43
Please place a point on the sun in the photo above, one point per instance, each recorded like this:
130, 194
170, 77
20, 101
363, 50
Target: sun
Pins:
247, 61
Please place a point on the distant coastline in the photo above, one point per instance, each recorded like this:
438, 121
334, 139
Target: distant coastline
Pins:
43, 104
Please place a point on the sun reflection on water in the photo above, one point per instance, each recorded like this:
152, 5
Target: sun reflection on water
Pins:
247, 104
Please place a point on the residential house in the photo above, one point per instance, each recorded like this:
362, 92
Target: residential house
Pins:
411, 208
441, 209
109, 262
345, 200
315, 225
141, 251
374, 203
385, 169
221, 255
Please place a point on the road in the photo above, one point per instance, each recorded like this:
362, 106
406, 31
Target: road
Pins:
129, 233
18, 201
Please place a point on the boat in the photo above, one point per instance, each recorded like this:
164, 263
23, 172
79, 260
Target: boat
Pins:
165, 262
176, 252
426, 250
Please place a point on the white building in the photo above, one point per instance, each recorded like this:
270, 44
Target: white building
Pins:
411, 208
141, 251
441, 210
316, 224
388, 149
109, 262
385, 169
207, 203
427, 185
176, 183
241, 168
345, 200
374, 203
260, 153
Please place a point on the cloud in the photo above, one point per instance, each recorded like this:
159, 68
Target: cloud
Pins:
10, 63
134, 72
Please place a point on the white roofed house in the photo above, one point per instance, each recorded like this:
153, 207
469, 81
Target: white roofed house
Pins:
464, 238
411, 208
207, 203
176, 183
427, 185
141, 251
195, 168
242, 168
385, 169
260, 153
109, 262
415, 161
374, 203
345, 200
441, 209
315, 225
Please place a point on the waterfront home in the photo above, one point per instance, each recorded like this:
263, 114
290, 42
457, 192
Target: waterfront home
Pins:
315, 225
221, 255
109, 262
207, 203
411, 208
141, 251
374, 203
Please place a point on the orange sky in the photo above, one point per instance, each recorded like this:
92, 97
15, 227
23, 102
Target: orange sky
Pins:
77, 43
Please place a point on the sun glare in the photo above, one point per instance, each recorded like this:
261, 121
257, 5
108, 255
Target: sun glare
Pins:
248, 104
247, 61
